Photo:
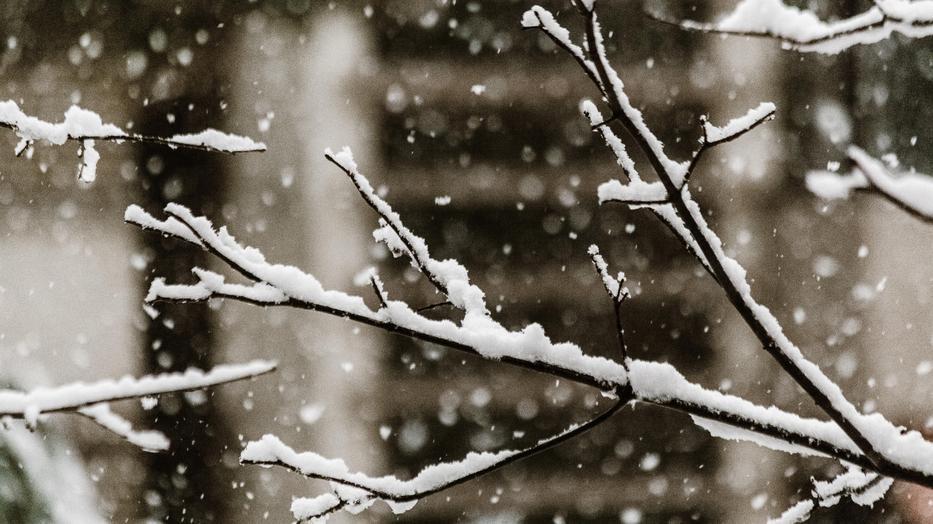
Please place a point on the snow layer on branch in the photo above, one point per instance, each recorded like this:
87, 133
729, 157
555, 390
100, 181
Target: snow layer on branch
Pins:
76, 395
614, 286
220, 141
170, 226
87, 126
89, 159
477, 330
913, 191
906, 448
808, 33
305, 508
213, 284
659, 381
868, 497
911, 11
739, 125
590, 111
780, 19
727, 432
862, 487
77, 122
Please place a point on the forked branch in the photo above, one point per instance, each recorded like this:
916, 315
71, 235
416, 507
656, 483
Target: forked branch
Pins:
652, 383
882, 442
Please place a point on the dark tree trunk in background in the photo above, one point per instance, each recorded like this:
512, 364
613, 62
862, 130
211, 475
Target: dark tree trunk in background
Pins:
848, 91
189, 479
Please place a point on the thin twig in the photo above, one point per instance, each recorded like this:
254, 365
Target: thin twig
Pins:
429, 307
394, 223
379, 292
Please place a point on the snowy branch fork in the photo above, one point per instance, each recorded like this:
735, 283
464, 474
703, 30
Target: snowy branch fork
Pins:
870, 442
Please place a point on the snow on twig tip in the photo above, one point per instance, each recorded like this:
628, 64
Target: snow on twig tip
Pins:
739, 126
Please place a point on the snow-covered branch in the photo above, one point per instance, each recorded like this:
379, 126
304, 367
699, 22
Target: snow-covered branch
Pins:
87, 128
880, 441
912, 192
357, 491
868, 441
92, 399
804, 31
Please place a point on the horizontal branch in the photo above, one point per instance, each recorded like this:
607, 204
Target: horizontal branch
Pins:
87, 128
91, 399
803, 31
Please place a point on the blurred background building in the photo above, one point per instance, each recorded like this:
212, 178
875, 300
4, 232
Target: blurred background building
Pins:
470, 126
